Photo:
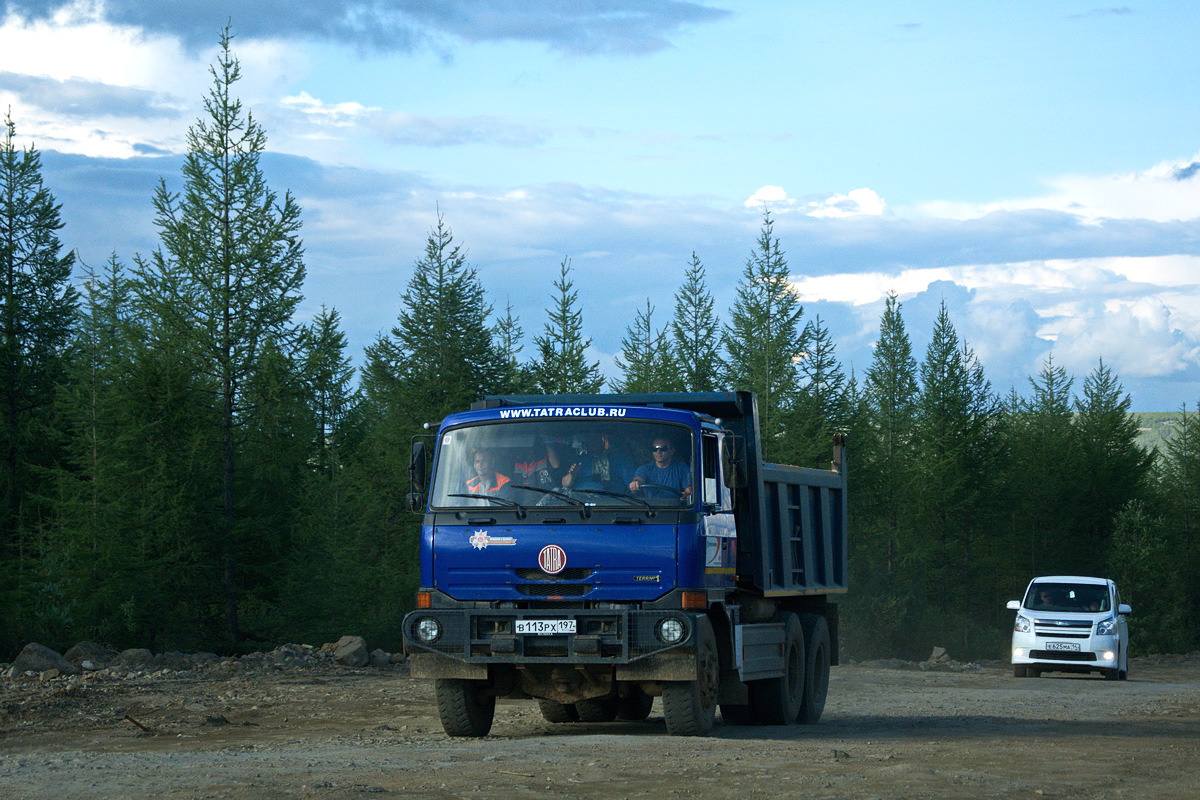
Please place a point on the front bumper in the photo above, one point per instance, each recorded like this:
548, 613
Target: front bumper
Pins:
612, 637
1095, 652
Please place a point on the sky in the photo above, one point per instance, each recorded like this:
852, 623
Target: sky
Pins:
1033, 166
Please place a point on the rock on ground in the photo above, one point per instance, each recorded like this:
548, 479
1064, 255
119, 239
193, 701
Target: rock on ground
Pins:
39, 658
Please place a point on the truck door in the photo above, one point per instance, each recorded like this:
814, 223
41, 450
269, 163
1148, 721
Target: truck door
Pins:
719, 529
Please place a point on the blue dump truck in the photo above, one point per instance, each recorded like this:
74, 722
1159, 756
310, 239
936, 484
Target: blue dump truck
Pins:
593, 552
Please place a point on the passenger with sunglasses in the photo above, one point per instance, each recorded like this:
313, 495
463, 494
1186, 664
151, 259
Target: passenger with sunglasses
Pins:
664, 473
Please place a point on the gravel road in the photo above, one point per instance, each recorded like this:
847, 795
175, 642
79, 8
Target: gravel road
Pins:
322, 731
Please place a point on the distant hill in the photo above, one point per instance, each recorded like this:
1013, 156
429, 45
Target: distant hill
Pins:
1155, 427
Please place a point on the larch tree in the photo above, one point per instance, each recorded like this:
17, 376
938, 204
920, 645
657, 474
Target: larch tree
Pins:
764, 339
646, 360
696, 332
226, 279
37, 308
561, 365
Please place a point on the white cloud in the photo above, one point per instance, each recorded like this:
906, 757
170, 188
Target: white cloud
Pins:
1141, 315
76, 45
1166, 192
855, 203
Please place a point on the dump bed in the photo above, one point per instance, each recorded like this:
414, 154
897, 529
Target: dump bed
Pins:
791, 521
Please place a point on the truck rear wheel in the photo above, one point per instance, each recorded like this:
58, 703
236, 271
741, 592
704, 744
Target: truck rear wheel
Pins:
598, 709
689, 706
635, 706
777, 701
553, 711
816, 668
466, 707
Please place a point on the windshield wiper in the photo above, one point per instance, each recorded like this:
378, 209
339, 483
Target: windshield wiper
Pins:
584, 509
504, 501
630, 498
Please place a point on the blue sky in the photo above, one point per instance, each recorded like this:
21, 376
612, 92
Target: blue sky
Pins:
1035, 166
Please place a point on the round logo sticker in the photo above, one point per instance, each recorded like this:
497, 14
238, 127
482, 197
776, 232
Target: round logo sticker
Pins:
552, 559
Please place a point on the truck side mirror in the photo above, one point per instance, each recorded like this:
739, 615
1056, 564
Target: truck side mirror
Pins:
1124, 608
1014, 605
733, 462
418, 477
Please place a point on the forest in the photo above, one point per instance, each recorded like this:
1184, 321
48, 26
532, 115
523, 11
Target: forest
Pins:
186, 465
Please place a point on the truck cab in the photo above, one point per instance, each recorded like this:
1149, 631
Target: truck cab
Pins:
596, 552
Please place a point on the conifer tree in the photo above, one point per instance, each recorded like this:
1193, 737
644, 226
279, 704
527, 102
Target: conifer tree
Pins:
508, 336
764, 339
1113, 468
1044, 458
439, 356
696, 332
646, 361
37, 306
958, 453
561, 366
226, 278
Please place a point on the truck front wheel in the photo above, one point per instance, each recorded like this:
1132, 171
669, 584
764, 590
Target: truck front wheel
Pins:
689, 706
466, 707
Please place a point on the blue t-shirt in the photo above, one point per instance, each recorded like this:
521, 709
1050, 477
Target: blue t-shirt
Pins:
676, 475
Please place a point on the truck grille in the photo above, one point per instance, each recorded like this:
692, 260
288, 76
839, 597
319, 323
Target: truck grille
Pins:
568, 574
554, 589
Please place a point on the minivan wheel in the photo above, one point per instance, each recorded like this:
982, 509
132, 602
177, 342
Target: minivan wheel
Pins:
1020, 671
1112, 674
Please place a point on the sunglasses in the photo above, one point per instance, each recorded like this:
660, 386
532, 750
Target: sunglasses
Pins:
658, 448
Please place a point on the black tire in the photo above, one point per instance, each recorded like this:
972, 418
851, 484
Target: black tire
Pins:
816, 668
737, 715
635, 706
777, 701
1020, 671
557, 712
689, 706
1111, 674
598, 709
465, 706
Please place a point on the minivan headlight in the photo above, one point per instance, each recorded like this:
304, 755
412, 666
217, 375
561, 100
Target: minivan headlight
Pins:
1106, 627
1022, 624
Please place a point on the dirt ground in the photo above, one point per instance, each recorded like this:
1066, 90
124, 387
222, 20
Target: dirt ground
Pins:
324, 731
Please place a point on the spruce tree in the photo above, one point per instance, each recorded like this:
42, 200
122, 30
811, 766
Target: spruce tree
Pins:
696, 332
958, 453
225, 280
561, 366
1113, 469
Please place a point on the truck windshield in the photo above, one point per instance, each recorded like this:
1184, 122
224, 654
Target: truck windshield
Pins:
1070, 597
565, 462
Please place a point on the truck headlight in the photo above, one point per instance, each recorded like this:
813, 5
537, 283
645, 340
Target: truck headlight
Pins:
1022, 624
1106, 627
428, 630
669, 630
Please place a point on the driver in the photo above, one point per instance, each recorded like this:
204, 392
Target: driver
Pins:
664, 472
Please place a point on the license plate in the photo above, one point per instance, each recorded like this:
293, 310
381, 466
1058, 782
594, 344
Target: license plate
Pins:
545, 627
1062, 646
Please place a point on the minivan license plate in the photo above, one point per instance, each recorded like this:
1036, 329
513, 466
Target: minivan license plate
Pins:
545, 627
1062, 645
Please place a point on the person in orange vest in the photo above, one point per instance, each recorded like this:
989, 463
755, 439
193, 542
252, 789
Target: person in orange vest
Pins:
485, 480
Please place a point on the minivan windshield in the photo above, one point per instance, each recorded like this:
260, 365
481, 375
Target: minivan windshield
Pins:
565, 462
1083, 598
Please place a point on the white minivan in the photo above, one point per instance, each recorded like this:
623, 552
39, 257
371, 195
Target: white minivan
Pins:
1068, 623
